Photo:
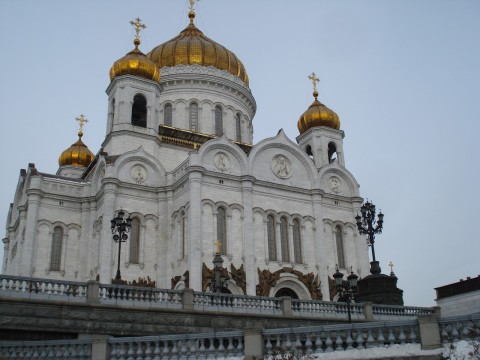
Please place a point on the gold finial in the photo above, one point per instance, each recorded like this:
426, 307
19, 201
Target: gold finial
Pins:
218, 244
191, 13
391, 267
138, 27
315, 81
81, 120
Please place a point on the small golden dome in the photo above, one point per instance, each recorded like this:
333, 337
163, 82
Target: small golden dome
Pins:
192, 47
318, 115
135, 63
76, 155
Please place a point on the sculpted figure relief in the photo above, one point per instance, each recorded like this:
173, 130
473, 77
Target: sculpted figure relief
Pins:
281, 166
335, 184
139, 174
221, 161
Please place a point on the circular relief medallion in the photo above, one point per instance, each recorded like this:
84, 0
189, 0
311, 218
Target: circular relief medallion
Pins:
281, 166
221, 161
335, 184
139, 174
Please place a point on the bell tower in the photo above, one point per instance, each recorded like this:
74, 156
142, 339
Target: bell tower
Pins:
320, 134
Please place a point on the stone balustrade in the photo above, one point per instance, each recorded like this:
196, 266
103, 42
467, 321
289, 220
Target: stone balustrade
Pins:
457, 328
328, 309
237, 303
154, 298
139, 296
340, 337
27, 287
53, 349
192, 346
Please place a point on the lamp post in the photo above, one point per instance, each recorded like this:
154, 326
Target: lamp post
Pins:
220, 281
346, 291
367, 224
120, 229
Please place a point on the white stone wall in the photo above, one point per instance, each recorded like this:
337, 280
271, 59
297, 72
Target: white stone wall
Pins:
463, 304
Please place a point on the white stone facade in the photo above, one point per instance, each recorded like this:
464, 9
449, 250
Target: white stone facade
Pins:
276, 191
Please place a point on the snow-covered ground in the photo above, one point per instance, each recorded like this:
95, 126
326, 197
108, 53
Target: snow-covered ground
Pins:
462, 351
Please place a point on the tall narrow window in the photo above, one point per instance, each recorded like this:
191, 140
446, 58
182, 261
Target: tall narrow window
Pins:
167, 115
139, 111
193, 116
340, 247
218, 121
183, 245
134, 241
222, 229
113, 109
297, 241
239, 128
56, 256
332, 152
272, 243
284, 239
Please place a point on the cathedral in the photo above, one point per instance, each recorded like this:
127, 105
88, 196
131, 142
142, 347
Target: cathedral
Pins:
178, 159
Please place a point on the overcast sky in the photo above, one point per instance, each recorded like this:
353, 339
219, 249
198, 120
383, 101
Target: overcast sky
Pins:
404, 77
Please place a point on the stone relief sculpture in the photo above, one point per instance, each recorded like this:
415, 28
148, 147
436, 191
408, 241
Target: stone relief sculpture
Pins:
335, 184
281, 166
221, 161
185, 277
268, 280
239, 276
139, 174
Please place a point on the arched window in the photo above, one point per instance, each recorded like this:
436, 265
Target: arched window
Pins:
332, 152
134, 241
193, 116
113, 109
340, 247
309, 152
284, 239
139, 111
239, 127
218, 121
56, 256
272, 243
222, 229
297, 241
167, 115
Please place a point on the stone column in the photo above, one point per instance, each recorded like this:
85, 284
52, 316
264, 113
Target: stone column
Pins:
291, 248
195, 230
321, 248
106, 241
85, 236
248, 241
27, 266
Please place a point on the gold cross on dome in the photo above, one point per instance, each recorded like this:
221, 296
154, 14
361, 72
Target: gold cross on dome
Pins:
315, 80
138, 26
218, 245
192, 4
391, 266
81, 120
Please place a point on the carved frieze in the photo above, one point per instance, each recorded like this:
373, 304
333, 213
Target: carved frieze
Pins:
268, 280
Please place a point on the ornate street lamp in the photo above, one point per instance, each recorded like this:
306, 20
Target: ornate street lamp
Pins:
120, 229
220, 281
346, 291
367, 224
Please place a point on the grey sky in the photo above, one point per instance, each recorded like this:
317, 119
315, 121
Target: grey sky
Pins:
403, 75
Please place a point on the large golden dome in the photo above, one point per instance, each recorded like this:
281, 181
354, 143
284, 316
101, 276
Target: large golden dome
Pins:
318, 115
192, 47
135, 63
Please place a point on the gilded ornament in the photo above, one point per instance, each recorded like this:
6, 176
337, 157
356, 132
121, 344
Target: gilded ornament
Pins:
317, 114
78, 154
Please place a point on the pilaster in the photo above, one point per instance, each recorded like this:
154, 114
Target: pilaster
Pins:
248, 240
195, 230
320, 245
106, 242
